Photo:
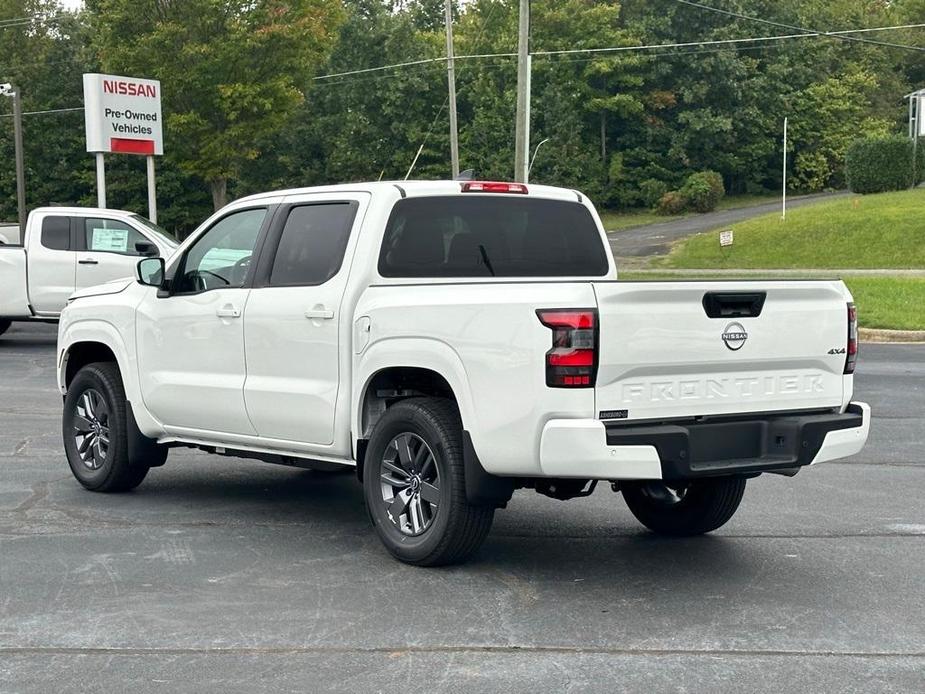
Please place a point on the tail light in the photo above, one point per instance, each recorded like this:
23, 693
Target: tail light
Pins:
852, 358
572, 361
493, 187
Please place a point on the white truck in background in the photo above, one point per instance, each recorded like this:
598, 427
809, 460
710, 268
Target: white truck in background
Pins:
67, 249
9, 234
455, 341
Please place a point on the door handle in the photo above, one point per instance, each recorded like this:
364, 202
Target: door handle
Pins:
228, 312
320, 313
88, 261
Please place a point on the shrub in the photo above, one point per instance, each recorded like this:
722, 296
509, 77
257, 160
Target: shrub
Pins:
703, 191
880, 164
651, 191
672, 202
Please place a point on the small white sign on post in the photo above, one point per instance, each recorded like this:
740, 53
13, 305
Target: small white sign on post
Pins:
725, 238
122, 115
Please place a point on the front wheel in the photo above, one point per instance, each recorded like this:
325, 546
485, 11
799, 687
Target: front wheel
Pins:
5, 325
685, 508
95, 429
414, 484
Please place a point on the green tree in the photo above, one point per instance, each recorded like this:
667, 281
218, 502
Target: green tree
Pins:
364, 126
44, 58
232, 71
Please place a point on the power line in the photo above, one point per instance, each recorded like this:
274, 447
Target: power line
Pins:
610, 49
842, 36
656, 46
39, 113
27, 21
717, 42
678, 54
411, 63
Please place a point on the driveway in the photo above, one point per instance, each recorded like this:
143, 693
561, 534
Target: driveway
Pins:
656, 239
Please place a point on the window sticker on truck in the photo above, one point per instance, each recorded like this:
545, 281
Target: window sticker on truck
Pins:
109, 240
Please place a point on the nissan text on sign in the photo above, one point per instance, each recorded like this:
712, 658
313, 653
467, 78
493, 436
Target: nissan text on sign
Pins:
123, 115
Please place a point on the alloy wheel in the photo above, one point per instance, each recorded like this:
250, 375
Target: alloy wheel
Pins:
410, 483
91, 429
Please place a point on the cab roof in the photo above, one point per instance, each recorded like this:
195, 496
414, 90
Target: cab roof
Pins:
414, 189
84, 211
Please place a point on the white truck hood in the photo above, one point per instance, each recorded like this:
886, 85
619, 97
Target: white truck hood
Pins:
111, 287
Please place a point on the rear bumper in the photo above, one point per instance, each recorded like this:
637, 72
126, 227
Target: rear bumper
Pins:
708, 447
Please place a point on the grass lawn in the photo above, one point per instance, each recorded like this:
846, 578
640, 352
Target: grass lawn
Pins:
860, 231
618, 220
614, 220
894, 303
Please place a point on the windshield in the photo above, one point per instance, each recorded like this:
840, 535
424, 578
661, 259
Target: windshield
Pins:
158, 232
488, 236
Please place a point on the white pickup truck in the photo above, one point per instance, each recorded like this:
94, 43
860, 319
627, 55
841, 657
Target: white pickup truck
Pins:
67, 249
455, 341
9, 234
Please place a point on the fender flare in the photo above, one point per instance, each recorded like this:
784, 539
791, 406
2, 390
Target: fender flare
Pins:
105, 333
417, 352
439, 357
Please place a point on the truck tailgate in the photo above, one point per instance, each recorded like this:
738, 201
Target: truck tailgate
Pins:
769, 346
14, 299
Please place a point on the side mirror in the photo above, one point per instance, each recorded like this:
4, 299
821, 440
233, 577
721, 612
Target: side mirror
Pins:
150, 272
147, 248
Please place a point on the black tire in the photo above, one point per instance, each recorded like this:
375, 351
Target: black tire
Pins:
457, 528
694, 508
110, 469
5, 325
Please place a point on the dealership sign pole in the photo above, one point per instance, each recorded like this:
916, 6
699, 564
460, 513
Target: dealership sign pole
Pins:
122, 115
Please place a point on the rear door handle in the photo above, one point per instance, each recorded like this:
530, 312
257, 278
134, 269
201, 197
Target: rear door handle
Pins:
320, 313
88, 261
228, 312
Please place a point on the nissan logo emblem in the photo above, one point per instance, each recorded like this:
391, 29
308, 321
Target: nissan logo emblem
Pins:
734, 336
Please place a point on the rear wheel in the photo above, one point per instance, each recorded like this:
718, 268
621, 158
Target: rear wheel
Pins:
689, 508
5, 325
95, 429
414, 485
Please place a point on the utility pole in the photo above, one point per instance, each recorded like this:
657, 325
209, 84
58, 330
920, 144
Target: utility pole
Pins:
20, 167
522, 124
451, 81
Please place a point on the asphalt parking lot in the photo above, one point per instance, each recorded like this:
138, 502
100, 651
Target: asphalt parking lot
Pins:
237, 576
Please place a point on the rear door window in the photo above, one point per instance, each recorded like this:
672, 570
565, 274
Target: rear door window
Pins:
486, 236
311, 248
56, 233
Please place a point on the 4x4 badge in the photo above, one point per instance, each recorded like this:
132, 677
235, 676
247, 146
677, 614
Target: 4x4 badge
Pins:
734, 336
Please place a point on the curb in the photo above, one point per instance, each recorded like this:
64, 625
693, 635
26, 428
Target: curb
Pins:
881, 335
